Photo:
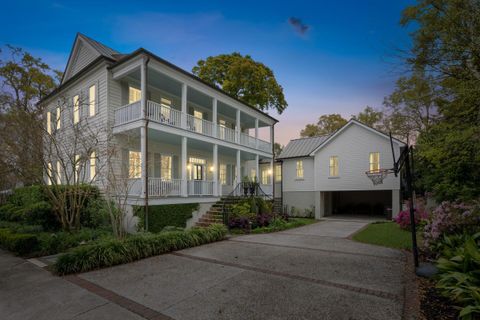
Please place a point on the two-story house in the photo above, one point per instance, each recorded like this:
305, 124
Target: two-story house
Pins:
326, 174
177, 139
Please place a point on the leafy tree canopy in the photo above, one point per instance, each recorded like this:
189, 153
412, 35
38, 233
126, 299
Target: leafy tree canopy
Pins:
243, 78
326, 124
371, 117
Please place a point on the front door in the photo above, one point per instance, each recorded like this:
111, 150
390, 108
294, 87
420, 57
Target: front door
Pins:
198, 172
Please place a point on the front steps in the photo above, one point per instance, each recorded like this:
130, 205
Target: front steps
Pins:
215, 213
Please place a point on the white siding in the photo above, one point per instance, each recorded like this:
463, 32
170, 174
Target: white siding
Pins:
82, 57
290, 180
353, 146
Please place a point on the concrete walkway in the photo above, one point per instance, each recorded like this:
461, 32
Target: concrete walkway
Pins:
313, 272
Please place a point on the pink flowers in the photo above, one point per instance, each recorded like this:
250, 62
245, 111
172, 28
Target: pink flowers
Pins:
403, 218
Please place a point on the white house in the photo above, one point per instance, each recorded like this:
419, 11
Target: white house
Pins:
327, 174
178, 139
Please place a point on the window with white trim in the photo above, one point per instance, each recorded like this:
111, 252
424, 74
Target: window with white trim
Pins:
59, 172
134, 95
92, 98
49, 173
223, 174
134, 164
49, 122
166, 167
59, 118
253, 174
334, 166
76, 109
278, 173
265, 175
299, 169
374, 159
93, 165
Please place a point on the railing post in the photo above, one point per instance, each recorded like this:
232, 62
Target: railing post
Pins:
214, 117
256, 133
237, 127
215, 170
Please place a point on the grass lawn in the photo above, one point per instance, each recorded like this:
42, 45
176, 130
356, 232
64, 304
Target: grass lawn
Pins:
387, 234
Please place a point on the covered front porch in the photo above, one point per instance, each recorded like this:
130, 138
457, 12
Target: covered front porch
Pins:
181, 167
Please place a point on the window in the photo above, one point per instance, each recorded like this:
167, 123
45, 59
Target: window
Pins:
253, 174
59, 172
134, 95
59, 118
165, 109
49, 122
300, 169
374, 161
198, 121
49, 173
222, 124
134, 164
278, 172
76, 109
92, 94
334, 166
93, 164
166, 170
76, 173
223, 174
265, 176
197, 166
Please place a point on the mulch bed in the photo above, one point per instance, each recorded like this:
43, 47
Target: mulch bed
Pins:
432, 304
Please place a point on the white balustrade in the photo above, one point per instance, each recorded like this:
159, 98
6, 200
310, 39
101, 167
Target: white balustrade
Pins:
159, 187
200, 187
247, 140
199, 125
164, 114
128, 113
264, 145
226, 134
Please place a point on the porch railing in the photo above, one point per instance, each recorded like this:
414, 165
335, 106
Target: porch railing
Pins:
226, 134
128, 113
199, 125
163, 114
200, 187
158, 187
173, 117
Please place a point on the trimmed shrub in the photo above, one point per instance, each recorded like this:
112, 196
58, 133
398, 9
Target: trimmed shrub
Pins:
41, 213
20, 228
52, 243
403, 218
114, 251
18, 243
159, 217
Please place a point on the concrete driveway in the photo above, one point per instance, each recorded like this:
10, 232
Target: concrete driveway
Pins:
313, 272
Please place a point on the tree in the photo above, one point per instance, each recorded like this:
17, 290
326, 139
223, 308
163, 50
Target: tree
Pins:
24, 81
445, 50
326, 124
243, 78
412, 108
277, 149
370, 117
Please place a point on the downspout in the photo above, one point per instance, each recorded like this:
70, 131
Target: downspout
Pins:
145, 112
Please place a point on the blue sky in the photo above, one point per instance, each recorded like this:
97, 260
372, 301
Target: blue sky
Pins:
344, 61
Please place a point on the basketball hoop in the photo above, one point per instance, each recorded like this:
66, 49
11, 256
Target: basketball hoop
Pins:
377, 176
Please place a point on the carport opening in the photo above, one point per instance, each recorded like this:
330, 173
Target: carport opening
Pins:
362, 203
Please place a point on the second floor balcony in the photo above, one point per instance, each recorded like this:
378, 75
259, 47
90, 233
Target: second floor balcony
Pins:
167, 98
168, 115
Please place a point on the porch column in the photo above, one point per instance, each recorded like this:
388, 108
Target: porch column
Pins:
257, 168
215, 170
214, 117
183, 167
256, 133
237, 129
238, 178
143, 129
184, 106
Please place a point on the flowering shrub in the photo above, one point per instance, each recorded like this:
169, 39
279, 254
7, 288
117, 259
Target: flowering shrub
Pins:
451, 218
403, 218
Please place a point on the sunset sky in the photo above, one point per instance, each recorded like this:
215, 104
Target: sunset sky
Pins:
330, 57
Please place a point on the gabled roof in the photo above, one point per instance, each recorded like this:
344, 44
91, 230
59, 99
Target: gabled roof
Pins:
348, 124
94, 50
302, 147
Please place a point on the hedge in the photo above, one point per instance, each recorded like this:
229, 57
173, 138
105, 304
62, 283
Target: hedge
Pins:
114, 251
159, 217
18, 243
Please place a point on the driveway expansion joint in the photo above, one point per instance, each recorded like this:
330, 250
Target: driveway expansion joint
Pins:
371, 292
117, 299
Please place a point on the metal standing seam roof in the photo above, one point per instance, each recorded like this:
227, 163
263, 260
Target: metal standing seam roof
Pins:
101, 48
301, 147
